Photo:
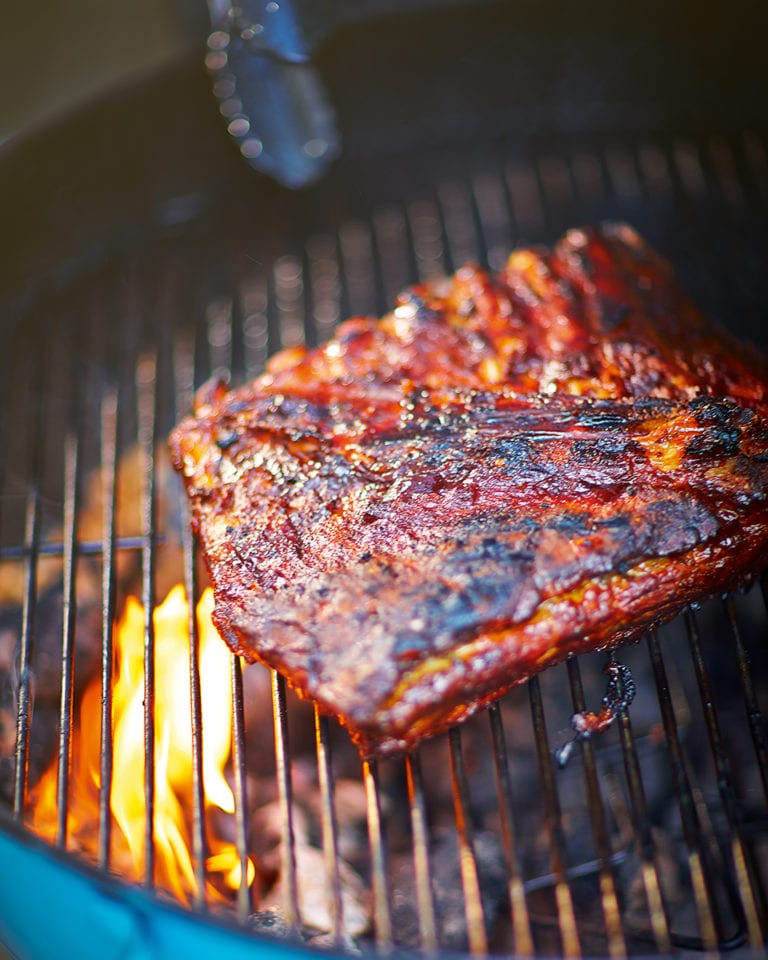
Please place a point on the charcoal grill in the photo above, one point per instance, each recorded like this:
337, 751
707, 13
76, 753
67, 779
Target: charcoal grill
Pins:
137, 265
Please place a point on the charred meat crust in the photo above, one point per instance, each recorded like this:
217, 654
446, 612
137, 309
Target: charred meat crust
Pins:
430, 508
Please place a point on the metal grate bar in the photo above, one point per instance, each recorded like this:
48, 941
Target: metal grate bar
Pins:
329, 827
685, 173
57, 548
307, 314
393, 256
556, 191
31, 536
473, 903
424, 893
617, 946
720, 874
747, 882
410, 251
219, 334
289, 287
621, 174
739, 272
356, 260
147, 413
490, 213
754, 714
521, 923
641, 824
524, 196
565, 910
71, 484
756, 159
183, 361
285, 799
323, 284
238, 358
727, 176
424, 232
199, 839
463, 236
108, 466
706, 904
375, 276
588, 175
253, 304
381, 912
241, 797
449, 262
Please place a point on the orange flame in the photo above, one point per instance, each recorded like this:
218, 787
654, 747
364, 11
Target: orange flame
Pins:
173, 766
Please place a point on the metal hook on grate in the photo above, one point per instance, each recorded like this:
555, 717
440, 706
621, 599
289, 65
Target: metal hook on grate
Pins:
620, 692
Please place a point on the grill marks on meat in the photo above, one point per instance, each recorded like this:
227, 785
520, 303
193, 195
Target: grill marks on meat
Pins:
432, 507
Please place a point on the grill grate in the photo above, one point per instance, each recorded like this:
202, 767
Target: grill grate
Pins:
654, 838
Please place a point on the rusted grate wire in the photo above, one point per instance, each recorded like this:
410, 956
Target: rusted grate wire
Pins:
654, 838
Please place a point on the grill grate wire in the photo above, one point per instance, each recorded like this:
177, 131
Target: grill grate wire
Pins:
381, 914
553, 816
108, 460
300, 296
617, 946
424, 892
470, 880
746, 880
285, 791
329, 827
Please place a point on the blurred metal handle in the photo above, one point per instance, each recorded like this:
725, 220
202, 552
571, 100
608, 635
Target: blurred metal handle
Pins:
271, 97
274, 103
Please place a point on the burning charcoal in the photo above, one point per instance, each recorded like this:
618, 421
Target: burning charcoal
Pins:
314, 890
447, 890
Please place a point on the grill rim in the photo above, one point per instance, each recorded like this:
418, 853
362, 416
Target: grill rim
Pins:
147, 542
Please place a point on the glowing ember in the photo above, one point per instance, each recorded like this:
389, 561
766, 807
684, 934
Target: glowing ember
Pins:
173, 754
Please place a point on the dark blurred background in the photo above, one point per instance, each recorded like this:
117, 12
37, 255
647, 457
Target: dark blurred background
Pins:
58, 56
109, 129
